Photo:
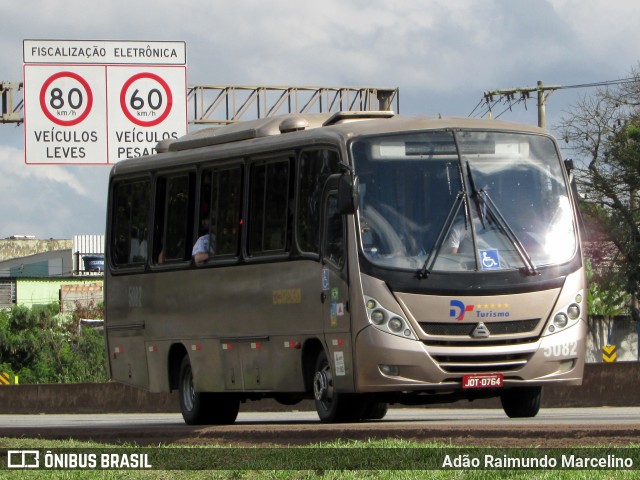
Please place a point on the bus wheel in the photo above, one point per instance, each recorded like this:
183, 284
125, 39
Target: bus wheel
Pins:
330, 405
375, 410
521, 402
203, 408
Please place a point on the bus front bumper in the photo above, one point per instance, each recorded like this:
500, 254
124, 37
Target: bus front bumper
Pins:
385, 362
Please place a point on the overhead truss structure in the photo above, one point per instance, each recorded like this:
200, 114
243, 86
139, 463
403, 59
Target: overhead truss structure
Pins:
11, 107
224, 104
217, 104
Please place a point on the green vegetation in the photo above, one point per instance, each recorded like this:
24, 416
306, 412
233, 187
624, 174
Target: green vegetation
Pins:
40, 345
602, 134
326, 461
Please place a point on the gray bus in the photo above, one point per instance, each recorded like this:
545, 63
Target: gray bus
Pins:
359, 259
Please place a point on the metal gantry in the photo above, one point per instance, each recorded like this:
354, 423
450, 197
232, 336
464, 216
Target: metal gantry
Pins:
224, 104
219, 104
11, 106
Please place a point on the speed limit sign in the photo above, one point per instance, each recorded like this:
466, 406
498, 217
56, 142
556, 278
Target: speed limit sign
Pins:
99, 102
64, 115
66, 98
146, 99
151, 107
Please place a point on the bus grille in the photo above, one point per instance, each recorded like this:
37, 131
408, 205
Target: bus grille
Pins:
465, 329
480, 364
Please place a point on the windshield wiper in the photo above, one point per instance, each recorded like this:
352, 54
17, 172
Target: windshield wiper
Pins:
482, 196
444, 231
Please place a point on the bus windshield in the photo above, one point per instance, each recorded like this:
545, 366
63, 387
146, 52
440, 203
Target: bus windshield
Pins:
463, 201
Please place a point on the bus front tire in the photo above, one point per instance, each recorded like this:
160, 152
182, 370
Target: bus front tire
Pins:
375, 410
521, 402
331, 405
204, 408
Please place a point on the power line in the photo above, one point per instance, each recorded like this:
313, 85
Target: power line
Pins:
513, 96
601, 84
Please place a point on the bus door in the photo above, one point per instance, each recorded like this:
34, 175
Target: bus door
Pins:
335, 288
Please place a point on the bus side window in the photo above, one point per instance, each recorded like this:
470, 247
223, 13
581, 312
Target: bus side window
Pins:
269, 207
315, 167
221, 210
225, 218
158, 221
173, 220
129, 212
334, 240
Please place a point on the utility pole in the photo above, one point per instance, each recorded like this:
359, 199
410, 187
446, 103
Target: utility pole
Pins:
523, 93
542, 114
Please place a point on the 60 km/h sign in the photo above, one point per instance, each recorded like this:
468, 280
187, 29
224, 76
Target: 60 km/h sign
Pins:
148, 109
146, 99
99, 102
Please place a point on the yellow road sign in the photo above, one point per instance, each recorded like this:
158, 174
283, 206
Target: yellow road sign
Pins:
4, 378
609, 353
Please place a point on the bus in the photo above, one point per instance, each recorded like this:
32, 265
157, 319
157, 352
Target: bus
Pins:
354, 259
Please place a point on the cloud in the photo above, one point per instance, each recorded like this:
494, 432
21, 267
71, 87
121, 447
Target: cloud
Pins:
14, 171
442, 54
50, 201
603, 28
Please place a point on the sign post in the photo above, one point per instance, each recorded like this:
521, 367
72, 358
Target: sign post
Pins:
101, 102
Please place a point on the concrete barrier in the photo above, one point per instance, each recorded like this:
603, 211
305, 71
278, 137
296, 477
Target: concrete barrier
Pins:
614, 385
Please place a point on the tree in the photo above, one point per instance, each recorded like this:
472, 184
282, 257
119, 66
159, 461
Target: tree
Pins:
606, 301
40, 346
603, 132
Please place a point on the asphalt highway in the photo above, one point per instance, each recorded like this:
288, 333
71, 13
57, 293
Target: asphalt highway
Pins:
552, 427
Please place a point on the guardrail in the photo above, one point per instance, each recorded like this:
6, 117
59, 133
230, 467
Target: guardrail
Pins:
604, 384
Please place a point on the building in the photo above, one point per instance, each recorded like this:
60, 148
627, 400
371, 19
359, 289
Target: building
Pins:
47, 271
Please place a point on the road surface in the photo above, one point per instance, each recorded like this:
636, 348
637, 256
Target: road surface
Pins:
561, 427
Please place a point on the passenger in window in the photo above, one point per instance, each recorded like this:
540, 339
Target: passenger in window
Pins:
143, 246
204, 248
134, 245
138, 248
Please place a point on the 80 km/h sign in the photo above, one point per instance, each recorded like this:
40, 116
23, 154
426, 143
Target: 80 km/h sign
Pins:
66, 98
65, 119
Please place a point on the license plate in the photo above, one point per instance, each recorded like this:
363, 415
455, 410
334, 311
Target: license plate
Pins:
483, 380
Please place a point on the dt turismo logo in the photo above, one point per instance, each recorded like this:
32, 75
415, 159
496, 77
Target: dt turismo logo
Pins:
482, 311
459, 309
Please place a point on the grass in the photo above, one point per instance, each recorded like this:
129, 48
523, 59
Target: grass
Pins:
383, 459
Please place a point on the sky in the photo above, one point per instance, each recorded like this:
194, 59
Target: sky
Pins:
441, 54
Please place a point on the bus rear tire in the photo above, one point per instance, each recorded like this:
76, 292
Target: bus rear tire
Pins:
333, 406
521, 402
204, 408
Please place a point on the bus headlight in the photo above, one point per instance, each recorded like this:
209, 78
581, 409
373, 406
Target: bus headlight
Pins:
395, 324
573, 311
387, 321
560, 320
566, 316
377, 317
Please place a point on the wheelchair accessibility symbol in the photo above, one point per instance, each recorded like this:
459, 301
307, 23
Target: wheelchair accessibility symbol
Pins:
489, 259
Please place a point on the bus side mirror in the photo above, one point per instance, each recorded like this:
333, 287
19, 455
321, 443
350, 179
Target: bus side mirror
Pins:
347, 195
568, 165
